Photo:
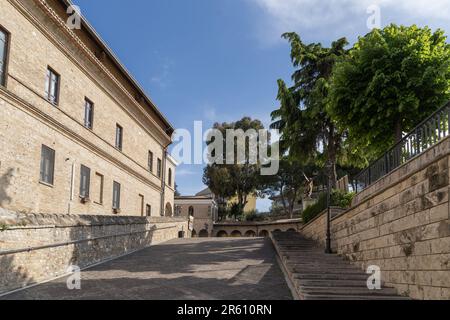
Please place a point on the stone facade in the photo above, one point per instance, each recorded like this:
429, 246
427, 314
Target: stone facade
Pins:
401, 223
39, 39
39, 247
255, 229
203, 209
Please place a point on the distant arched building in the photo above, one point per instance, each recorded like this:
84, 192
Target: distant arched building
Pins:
203, 209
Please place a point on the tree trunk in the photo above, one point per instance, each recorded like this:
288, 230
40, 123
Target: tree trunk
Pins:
332, 155
398, 133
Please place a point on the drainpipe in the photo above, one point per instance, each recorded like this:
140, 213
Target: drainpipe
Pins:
72, 187
163, 180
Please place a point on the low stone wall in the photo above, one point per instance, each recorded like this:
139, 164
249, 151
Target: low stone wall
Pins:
36, 247
401, 224
255, 229
316, 229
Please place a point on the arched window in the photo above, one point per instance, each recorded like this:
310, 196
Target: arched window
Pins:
170, 177
191, 211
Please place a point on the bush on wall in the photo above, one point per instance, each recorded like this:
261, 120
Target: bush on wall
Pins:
339, 199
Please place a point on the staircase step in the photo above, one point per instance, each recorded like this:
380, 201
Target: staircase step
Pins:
343, 291
319, 276
330, 276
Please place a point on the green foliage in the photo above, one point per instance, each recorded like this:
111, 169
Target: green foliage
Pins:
288, 183
339, 199
391, 80
233, 180
314, 210
302, 118
342, 199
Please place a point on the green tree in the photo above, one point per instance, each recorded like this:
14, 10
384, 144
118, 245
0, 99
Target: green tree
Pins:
289, 184
177, 192
240, 178
307, 130
391, 80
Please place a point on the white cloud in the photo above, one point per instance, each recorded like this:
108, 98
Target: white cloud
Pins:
185, 172
162, 79
334, 18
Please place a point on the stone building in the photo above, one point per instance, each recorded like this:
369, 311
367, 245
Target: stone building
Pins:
203, 209
78, 135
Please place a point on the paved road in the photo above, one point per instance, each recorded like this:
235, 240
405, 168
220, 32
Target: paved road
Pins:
207, 269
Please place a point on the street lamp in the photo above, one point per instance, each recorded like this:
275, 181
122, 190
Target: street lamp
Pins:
328, 167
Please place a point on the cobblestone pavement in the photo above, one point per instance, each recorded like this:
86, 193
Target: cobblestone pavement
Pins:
193, 269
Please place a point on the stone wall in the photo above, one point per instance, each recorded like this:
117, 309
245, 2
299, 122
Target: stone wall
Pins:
255, 229
402, 224
38, 247
30, 121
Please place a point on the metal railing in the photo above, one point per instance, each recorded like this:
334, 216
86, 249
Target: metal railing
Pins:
428, 133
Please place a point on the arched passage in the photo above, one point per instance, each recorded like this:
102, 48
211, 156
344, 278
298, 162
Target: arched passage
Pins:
264, 233
203, 234
276, 230
292, 230
236, 234
194, 234
222, 234
250, 234
169, 211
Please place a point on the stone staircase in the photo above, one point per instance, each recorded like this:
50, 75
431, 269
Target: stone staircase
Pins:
315, 275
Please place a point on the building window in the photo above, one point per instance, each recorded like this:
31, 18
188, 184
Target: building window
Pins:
98, 187
4, 43
158, 168
119, 137
170, 177
88, 114
141, 204
85, 182
116, 195
148, 210
150, 161
52, 86
191, 211
47, 165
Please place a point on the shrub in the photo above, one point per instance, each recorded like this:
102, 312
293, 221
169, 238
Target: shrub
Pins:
339, 199
342, 199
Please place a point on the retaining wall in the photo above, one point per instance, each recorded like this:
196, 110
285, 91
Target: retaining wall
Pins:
402, 224
37, 247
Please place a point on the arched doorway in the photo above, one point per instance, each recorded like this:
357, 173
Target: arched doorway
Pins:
264, 233
250, 234
292, 230
222, 234
169, 211
236, 234
194, 234
277, 230
203, 234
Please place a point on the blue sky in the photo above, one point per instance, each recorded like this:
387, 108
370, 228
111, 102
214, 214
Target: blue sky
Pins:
219, 60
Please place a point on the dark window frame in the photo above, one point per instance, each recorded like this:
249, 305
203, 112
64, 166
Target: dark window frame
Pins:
119, 137
150, 161
159, 168
148, 210
85, 189
102, 185
47, 178
169, 178
48, 86
4, 80
89, 125
116, 199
